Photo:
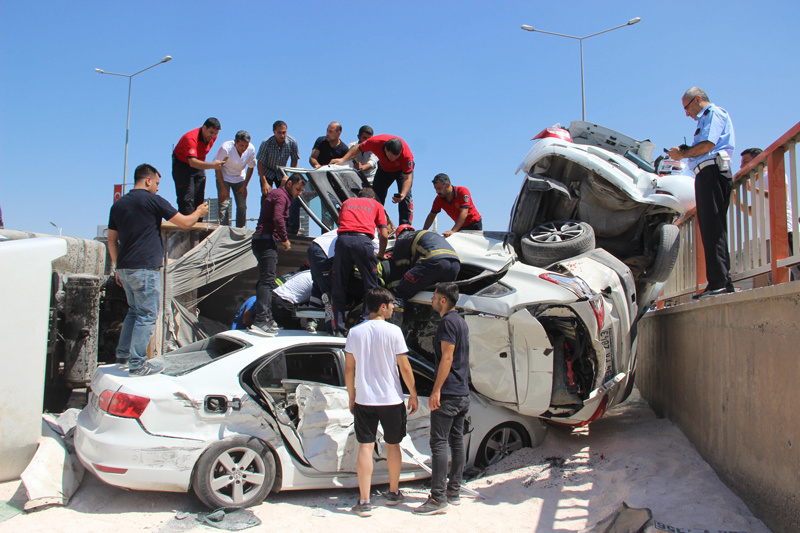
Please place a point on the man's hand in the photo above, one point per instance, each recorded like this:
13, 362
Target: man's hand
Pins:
243, 191
413, 403
202, 210
674, 153
397, 198
447, 233
116, 278
286, 245
338, 161
218, 164
435, 400
353, 405
222, 192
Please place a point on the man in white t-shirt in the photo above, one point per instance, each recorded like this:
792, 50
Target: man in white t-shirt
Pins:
240, 160
376, 356
366, 163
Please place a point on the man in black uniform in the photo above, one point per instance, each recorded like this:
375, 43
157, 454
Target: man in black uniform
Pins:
424, 257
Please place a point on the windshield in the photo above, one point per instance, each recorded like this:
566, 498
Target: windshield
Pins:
198, 354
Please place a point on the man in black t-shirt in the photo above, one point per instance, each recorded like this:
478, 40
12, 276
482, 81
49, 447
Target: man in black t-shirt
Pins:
328, 147
134, 244
449, 402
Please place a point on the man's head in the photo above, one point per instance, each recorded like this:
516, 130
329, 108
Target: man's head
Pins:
279, 129
401, 228
364, 133
241, 141
393, 148
146, 177
333, 132
444, 297
380, 300
295, 185
694, 100
210, 130
748, 155
367, 192
441, 182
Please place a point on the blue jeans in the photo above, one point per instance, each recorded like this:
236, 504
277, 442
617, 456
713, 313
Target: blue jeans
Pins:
447, 426
143, 292
239, 194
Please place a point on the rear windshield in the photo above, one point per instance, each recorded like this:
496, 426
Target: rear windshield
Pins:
193, 356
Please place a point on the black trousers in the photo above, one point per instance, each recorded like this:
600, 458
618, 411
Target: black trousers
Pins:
712, 190
381, 185
190, 186
266, 253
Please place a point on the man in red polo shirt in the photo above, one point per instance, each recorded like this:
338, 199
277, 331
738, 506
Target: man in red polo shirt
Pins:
358, 219
456, 202
189, 165
395, 164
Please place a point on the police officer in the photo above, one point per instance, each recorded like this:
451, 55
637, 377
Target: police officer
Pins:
710, 158
425, 257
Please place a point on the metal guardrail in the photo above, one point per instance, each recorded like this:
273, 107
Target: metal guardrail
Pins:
762, 238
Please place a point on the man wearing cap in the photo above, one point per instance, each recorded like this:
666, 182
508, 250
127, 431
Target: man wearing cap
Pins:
240, 160
710, 158
189, 165
457, 203
358, 219
424, 258
395, 164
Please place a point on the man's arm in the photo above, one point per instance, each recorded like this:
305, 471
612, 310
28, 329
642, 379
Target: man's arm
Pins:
187, 221
383, 240
313, 158
448, 349
429, 220
350, 378
409, 179
351, 154
462, 216
693, 151
222, 191
408, 379
113, 252
279, 222
247, 177
262, 177
202, 165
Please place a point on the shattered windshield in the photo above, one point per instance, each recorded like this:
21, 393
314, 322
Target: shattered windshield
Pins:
198, 354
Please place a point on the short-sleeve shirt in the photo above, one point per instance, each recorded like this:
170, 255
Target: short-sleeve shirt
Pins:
361, 215
714, 125
273, 156
375, 345
328, 152
137, 218
238, 320
405, 161
462, 200
234, 169
192, 145
296, 289
453, 329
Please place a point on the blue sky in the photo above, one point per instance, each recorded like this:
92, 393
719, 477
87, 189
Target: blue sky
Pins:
459, 81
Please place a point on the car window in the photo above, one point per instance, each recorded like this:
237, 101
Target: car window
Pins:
193, 356
306, 365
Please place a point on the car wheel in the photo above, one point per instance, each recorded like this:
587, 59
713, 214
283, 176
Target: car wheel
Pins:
555, 241
501, 442
238, 472
667, 240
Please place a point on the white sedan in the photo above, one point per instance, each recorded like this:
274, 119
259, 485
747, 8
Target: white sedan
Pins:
237, 416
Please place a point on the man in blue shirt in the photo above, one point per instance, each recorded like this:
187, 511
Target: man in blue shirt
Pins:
710, 158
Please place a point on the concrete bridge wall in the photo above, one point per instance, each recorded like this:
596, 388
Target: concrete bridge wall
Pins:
726, 370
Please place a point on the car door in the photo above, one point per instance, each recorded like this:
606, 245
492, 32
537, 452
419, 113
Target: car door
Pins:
491, 361
533, 363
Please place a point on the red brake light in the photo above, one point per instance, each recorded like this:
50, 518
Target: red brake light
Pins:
558, 133
599, 308
122, 404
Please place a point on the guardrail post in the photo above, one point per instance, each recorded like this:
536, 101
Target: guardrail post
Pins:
779, 240
700, 257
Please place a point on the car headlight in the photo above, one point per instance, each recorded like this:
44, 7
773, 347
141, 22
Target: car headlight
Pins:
581, 289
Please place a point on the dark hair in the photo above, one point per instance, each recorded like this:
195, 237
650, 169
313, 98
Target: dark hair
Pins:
144, 171
338, 126
278, 124
376, 297
367, 192
294, 178
753, 152
393, 145
212, 123
441, 178
242, 136
449, 290
365, 129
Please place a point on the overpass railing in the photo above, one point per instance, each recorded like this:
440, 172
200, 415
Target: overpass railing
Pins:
763, 235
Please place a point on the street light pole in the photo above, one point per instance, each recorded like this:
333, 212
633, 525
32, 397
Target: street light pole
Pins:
631, 22
128, 119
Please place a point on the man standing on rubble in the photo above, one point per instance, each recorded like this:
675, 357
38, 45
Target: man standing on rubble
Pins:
136, 251
270, 231
189, 165
273, 153
376, 356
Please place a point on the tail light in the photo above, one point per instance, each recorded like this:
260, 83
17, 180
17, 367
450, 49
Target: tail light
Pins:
579, 288
557, 133
599, 308
122, 404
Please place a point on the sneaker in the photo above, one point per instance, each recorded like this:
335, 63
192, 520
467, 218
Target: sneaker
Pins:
274, 325
263, 330
147, 369
362, 509
393, 498
311, 327
122, 364
431, 506
454, 498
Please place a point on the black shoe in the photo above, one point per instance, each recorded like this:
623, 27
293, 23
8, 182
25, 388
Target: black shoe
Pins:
454, 498
393, 498
713, 292
430, 507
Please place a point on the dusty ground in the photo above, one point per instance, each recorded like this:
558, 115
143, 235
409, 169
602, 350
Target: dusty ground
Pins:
575, 479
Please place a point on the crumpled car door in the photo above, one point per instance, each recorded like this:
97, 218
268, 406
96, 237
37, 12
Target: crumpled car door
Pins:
491, 363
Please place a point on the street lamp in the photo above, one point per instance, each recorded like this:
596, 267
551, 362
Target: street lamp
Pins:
128, 121
631, 22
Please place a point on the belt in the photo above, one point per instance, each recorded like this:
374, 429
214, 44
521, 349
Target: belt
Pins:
704, 164
356, 233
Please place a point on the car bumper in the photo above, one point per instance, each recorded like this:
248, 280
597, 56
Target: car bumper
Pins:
119, 452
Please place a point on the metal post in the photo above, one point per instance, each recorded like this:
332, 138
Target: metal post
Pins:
583, 95
127, 136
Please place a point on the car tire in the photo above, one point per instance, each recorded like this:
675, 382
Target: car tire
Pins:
501, 442
667, 240
248, 465
555, 241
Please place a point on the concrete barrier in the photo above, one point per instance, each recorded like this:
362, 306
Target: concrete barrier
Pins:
726, 370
